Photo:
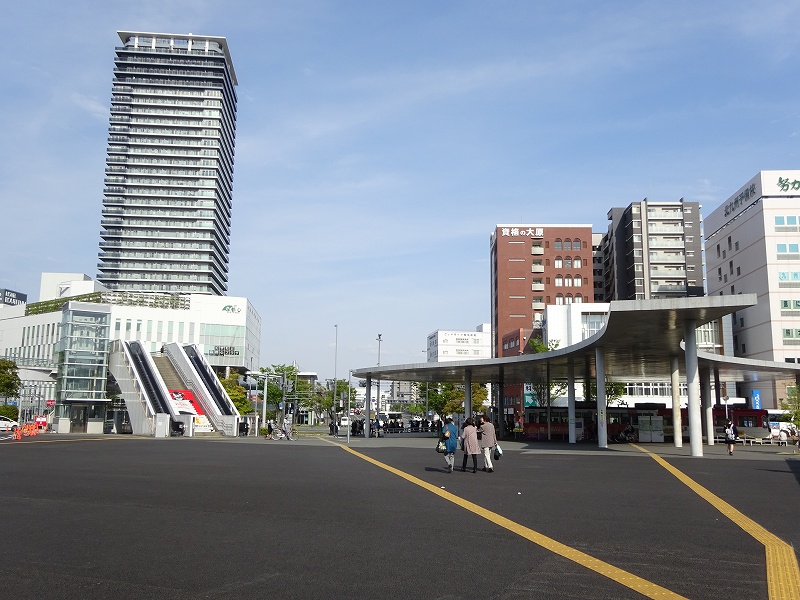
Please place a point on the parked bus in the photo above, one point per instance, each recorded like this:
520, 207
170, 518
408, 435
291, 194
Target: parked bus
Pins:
750, 420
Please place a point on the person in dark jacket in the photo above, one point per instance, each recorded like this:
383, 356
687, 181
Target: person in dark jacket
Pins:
731, 433
450, 437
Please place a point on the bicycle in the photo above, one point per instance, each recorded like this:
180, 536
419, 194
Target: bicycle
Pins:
278, 434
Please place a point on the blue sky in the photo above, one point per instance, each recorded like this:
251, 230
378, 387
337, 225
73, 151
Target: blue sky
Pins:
379, 143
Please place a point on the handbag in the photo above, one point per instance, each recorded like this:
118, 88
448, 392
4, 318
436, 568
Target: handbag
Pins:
440, 447
498, 452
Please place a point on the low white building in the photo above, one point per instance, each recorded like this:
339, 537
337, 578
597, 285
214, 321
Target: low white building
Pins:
448, 345
61, 343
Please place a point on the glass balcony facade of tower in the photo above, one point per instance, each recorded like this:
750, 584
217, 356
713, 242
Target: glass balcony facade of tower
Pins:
167, 203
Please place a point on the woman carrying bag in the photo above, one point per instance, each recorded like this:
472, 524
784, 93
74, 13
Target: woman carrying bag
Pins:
450, 439
469, 443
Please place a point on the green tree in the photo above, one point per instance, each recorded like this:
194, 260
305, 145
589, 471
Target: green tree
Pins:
297, 391
428, 393
12, 412
10, 383
416, 408
237, 393
337, 401
792, 405
615, 390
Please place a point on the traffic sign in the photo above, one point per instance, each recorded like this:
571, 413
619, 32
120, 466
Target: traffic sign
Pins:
50, 403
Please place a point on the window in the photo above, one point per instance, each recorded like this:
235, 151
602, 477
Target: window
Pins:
730, 267
781, 248
576, 281
558, 263
736, 246
568, 262
717, 250
576, 262
797, 304
576, 244
568, 281
557, 244
559, 281
780, 221
794, 248
792, 220
578, 299
559, 299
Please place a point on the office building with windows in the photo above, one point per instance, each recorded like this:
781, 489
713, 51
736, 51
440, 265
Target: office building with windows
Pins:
167, 203
448, 345
533, 266
653, 250
753, 246
62, 343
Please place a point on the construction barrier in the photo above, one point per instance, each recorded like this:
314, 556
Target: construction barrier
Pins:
26, 430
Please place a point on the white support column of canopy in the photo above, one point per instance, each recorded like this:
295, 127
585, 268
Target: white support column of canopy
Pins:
677, 421
693, 387
708, 405
571, 401
367, 401
600, 380
468, 393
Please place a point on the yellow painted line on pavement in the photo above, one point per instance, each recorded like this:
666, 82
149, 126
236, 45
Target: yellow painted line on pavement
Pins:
783, 574
634, 582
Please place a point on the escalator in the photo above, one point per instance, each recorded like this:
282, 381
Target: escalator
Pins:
147, 379
210, 381
153, 386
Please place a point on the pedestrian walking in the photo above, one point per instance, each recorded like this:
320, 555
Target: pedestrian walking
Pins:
450, 438
731, 433
488, 440
287, 427
469, 444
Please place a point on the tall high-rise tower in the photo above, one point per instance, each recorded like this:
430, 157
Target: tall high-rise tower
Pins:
169, 173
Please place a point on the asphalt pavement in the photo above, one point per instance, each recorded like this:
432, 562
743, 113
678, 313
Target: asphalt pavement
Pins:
124, 517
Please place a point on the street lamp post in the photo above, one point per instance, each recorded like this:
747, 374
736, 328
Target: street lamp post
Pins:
335, 359
378, 381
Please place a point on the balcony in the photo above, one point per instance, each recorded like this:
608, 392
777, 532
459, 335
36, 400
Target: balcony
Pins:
537, 305
673, 229
659, 215
673, 289
537, 287
537, 268
668, 273
667, 257
537, 251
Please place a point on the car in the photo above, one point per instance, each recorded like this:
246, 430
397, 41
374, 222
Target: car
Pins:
7, 424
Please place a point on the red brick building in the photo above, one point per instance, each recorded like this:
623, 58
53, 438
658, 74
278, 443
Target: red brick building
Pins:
533, 266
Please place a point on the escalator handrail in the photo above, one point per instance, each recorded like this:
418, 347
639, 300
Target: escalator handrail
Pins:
147, 378
210, 382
